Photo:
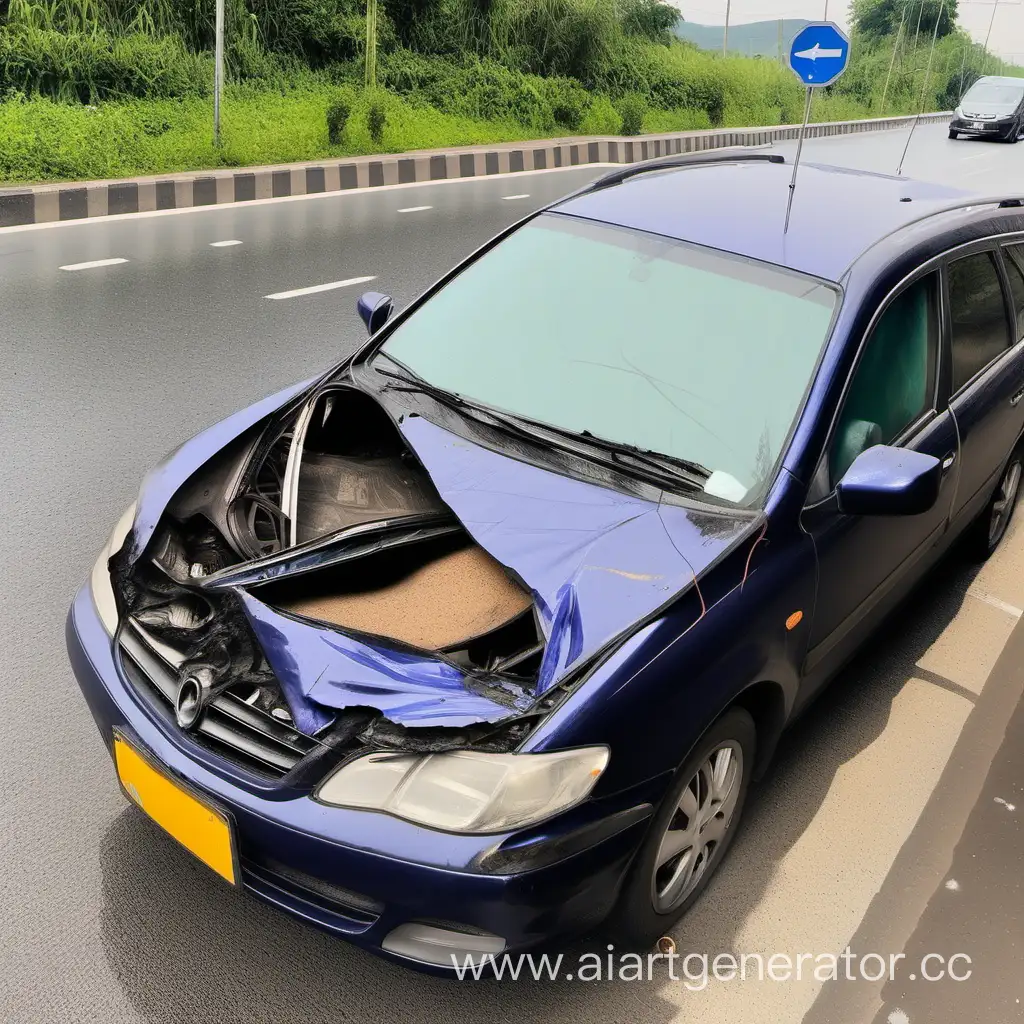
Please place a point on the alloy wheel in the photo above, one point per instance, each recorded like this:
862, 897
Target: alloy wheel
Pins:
697, 828
1003, 502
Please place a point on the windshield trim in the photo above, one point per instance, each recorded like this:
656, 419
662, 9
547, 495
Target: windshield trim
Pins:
757, 498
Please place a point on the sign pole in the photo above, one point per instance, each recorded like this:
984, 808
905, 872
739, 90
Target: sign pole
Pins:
818, 55
796, 162
218, 70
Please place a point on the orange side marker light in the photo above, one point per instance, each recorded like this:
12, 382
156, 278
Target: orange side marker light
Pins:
794, 620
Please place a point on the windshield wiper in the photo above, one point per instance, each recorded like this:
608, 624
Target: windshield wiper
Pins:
628, 454
409, 380
669, 467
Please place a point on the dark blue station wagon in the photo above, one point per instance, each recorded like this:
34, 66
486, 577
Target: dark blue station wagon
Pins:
478, 639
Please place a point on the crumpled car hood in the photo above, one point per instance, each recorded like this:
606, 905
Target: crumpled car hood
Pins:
596, 562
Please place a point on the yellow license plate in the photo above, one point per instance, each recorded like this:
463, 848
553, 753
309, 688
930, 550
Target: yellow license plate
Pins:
202, 830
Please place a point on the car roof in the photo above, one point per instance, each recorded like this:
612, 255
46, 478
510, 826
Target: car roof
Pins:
740, 207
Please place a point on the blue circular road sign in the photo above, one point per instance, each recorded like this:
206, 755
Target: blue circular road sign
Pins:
819, 54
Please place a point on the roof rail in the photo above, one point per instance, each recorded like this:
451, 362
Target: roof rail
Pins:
667, 163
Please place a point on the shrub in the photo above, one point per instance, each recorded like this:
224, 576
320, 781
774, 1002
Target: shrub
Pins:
632, 109
376, 118
602, 118
568, 102
337, 116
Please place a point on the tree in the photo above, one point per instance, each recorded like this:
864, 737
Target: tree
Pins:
652, 19
878, 18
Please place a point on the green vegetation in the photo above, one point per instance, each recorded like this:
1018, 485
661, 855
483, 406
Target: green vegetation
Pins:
110, 88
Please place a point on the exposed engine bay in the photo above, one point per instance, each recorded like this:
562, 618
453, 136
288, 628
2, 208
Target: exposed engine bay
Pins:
328, 519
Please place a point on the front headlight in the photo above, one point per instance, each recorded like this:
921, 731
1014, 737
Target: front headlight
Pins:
99, 582
467, 791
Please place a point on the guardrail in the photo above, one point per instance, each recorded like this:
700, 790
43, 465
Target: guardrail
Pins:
36, 204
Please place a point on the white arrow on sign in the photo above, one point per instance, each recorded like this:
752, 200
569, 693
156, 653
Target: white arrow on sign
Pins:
816, 51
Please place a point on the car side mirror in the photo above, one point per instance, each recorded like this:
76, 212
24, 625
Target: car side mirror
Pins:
375, 309
887, 481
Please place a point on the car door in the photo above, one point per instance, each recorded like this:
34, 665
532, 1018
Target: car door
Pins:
896, 395
987, 383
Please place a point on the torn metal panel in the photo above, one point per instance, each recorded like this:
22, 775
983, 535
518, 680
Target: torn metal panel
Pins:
318, 664
597, 560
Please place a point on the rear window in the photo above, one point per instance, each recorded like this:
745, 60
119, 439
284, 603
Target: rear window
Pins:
636, 338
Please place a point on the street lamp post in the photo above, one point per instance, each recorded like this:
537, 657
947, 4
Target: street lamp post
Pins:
218, 70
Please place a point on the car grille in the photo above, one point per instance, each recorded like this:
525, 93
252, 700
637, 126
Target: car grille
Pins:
228, 726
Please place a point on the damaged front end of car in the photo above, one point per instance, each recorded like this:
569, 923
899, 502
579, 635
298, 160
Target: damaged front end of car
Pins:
306, 595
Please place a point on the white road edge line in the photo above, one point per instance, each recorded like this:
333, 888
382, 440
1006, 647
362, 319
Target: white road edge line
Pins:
239, 207
94, 263
414, 209
226, 242
314, 288
1010, 609
523, 195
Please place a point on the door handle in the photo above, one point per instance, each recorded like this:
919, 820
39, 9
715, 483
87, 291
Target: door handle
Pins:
1017, 397
947, 462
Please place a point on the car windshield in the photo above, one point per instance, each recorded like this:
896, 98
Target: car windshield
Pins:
639, 339
995, 94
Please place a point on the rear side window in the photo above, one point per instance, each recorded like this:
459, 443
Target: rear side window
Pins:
980, 329
894, 383
1015, 271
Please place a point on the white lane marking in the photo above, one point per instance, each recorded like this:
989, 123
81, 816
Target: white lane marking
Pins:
1010, 609
313, 289
237, 207
94, 263
414, 209
522, 195
226, 242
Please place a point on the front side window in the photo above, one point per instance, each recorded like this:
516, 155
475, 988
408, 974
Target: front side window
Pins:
980, 331
894, 382
639, 339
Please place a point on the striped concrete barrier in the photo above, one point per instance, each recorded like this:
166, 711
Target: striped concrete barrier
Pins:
35, 204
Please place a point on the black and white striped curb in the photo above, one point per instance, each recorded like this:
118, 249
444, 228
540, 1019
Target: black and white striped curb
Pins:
38, 204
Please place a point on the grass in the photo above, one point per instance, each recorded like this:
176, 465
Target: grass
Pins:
44, 140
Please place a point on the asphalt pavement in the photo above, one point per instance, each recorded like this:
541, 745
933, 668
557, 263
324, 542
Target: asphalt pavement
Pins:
121, 337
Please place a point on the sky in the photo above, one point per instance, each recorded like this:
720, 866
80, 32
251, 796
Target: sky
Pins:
1007, 33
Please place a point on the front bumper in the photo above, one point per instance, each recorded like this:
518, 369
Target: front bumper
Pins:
988, 129
357, 874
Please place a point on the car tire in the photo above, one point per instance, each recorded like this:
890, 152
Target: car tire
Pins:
660, 889
988, 530
953, 134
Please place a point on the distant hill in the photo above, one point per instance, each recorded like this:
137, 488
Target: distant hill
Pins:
759, 38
